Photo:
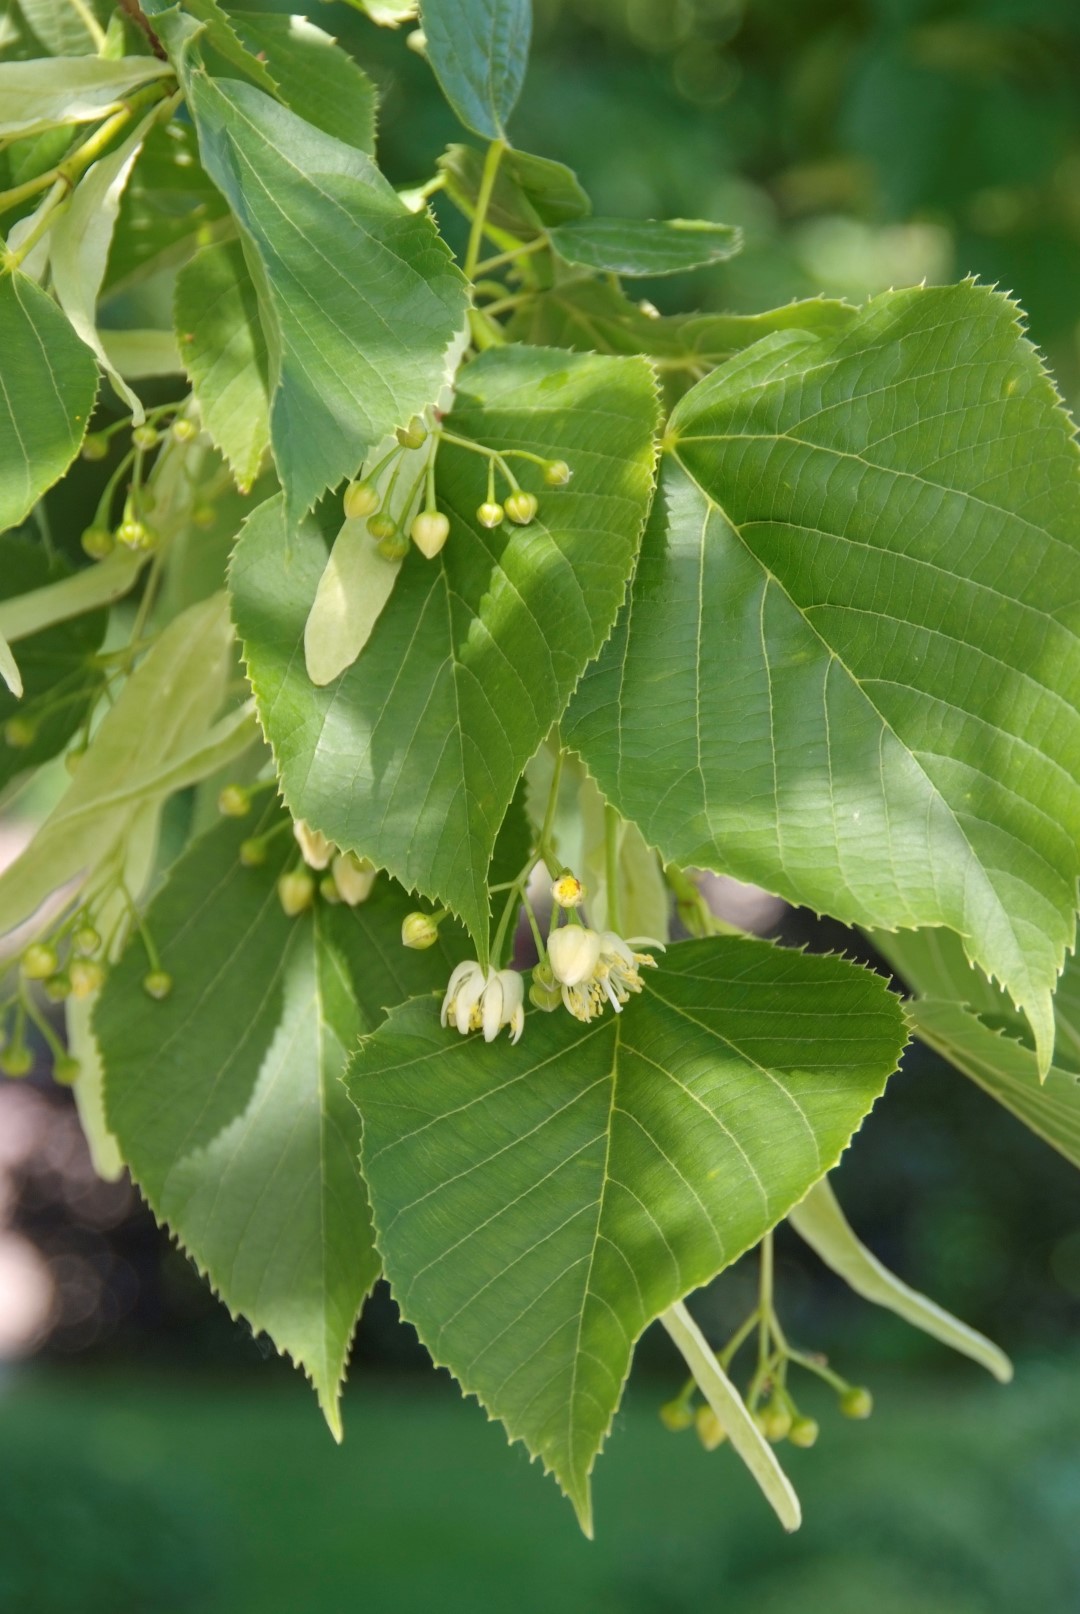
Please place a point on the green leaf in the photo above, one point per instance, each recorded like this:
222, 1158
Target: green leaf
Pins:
387, 13
478, 50
314, 77
49, 384
537, 1206
73, 89
218, 37
734, 1415
475, 654
819, 1220
169, 210
529, 194
79, 249
225, 1097
143, 750
58, 672
62, 25
360, 300
850, 671
224, 353
645, 246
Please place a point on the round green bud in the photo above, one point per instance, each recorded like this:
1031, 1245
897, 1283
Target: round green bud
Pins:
545, 994
87, 976
677, 1415
204, 516
73, 758
135, 534
490, 514
296, 891
361, 499
97, 542
234, 801
414, 435
416, 40
521, 506
710, 1431
396, 547
18, 1061
803, 1431
775, 1421
145, 437
557, 473
253, 852
856, 1402
86, 940
381, 525
419, 930
66, 1070
19, 732
39, 961
157, 984
57, 987
184, 430
95, 446
328, 890
429, 532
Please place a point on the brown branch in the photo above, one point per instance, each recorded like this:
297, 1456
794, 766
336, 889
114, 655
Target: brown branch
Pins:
140, 19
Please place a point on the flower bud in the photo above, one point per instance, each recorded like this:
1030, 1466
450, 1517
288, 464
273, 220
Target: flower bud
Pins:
18, 1061
382, 526
184, 430
145, 437
73, 758
134, 534
775, 1421
429, 532
856, 1402
57, 987
677, 1415
313, 844
204, 516
543, 992
361, 499
710, 1431
66, 1070
354, 877
86, 940
253, 852
328, 890
414, 435
574, 952
803, 1431
490, 514
95, 446
39, 961
157, 984
97, 542
521, 506
87, 976
568, 891
296, 891
416, 40
557, 473
19, 732
419, 930
234, 801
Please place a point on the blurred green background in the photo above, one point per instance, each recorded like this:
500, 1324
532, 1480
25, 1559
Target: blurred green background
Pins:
156, 1458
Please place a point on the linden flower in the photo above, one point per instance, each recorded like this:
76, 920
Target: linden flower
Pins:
594, 968
479, 1001
313, 844
568, 891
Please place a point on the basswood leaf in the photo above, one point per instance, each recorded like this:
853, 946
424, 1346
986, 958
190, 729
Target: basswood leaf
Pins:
224, 352
225, 1098
36, 95
536, 1206
49, 384
360, 300
645, 246
59, 677
314, 77
850, 670
819, 1220
65, 27
169, 210
478, 50
411, 756
529, 194
218, 37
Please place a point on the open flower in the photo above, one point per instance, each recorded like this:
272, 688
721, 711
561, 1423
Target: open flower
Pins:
484, 1001
595, 968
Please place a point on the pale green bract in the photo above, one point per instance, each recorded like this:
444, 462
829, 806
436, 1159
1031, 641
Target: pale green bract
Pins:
38, 94
475, 654
536, 1210
857, 609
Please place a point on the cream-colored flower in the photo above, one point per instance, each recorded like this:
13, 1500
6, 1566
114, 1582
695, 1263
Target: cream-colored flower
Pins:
568, 891
595, 968
313, 843
354, 877
484, 1001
